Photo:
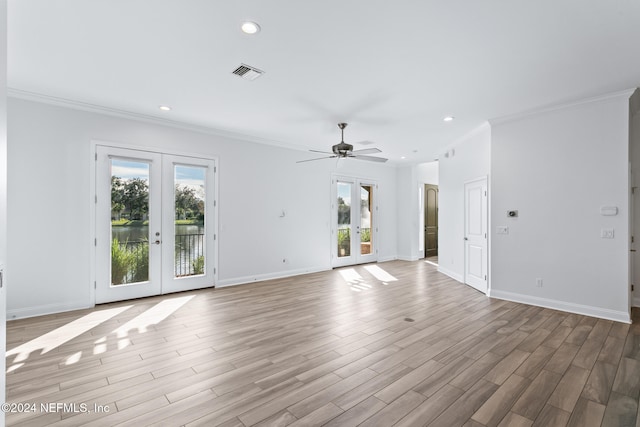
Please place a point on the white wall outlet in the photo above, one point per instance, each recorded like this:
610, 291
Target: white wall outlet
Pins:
539, 282
607, 233
502, 230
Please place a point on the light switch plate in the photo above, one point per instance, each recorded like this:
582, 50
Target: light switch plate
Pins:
607, 233
502, 230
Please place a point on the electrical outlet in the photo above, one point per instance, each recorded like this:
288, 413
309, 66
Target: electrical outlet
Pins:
539, 282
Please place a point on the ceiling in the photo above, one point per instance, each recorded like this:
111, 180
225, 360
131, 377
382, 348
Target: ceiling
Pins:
392, 70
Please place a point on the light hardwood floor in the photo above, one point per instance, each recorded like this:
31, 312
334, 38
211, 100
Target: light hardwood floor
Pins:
389, 344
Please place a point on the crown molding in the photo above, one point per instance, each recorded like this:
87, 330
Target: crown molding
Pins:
114, 112
561, 106
485, 126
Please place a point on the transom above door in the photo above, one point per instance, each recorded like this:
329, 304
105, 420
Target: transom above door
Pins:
155, 223
354, 232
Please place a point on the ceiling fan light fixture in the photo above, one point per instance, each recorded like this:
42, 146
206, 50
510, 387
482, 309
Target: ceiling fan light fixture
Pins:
250, 27
343, 150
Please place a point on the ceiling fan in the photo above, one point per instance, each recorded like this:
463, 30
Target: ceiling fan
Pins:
344, 150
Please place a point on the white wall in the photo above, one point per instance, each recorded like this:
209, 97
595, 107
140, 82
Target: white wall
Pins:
557, 168
408, 213
468, 158
3, 191
428, 173
634, 149
50, 199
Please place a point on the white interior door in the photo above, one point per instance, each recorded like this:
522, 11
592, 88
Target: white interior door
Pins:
475, 235
155, 223
355, 226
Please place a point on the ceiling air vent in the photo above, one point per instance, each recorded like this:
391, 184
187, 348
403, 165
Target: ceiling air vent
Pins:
248, 72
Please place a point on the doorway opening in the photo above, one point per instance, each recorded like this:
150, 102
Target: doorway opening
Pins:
431, 223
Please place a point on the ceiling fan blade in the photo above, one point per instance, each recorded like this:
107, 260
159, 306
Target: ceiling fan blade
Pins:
365, 142
319, 158
369, 158
367, 151
322, 152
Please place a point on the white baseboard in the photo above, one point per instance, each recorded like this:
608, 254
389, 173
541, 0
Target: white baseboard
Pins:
603, 313
408, 257
388, 258
41, 310
455, 276
268, 276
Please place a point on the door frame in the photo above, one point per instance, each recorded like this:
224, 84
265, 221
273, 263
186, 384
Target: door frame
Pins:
358, 258
485, 181
92, 232
424, 217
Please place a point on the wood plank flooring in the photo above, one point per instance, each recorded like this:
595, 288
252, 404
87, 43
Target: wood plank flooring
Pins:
389, 344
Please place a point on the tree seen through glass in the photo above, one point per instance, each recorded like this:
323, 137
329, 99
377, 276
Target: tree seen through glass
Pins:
130, 221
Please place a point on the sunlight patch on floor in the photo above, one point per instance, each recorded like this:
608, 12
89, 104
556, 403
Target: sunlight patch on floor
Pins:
380, 274
152, 316
360, 286
54, 339
353, 278
61, 335
100, 346
14, 367
431, 263
350, 275
74, 358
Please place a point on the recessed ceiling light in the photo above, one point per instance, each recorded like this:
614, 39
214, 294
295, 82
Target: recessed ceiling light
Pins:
448, 119
403, 157
165, 108
249, 27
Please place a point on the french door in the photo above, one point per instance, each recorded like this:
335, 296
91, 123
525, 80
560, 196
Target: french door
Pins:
354, 216
155, 229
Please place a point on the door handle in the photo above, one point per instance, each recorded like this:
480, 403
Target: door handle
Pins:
157, 242
466, 238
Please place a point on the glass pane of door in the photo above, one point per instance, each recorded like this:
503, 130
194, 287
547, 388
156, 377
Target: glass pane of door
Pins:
129, 221
344, 219
189, 223
366, 219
